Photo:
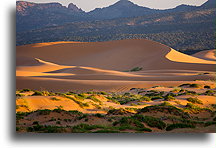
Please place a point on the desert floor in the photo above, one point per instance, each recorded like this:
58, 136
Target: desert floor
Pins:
116, 86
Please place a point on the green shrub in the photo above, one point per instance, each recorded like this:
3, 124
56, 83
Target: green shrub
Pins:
156, 97
44, 112
195, 85
103, 93
35, 123
151, 121
165, 103
210, 92
214, 106
25, 90
37, 93
20, 95
94, 99
145, 98
194, 100
133, 104
170, 98
210, 123
84, 128
179, 125
55, 99
98, 115
58, 122
186, 84
136, 69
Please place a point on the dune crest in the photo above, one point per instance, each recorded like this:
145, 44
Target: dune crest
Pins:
53, 43
207, 55
176, 56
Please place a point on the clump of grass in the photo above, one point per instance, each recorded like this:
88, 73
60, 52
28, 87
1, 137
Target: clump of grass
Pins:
92, 97
102, 93
44, 112
81, 104
210, 123
194, 100
179, 125
60, 107
84, 128
178, 102
55, 99
133, 104
98, 115
37, 93
176, 90
193, 108
35, 123
136, 69
165, 103
156, 97
213, 106
151, 121
195, 85
145, 98
210, 92
190, 85
130, 123
25, 90
170, 98
43, 93
20, 95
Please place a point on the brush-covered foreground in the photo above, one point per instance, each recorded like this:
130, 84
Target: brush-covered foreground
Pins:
189, 108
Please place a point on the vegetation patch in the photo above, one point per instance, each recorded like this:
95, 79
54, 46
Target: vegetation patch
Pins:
194, 100
151, 121
179, 125
55, 99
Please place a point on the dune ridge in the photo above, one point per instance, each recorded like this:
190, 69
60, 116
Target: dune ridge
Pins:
206, 54
106, 65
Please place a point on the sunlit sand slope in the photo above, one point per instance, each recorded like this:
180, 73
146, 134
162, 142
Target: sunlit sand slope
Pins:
65, 66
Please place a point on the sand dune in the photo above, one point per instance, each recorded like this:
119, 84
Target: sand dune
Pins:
207, 55
176, 56
65, 66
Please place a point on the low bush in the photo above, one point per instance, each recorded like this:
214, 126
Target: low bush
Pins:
169, 98
84, 128
55, 99
44, 112
136, 69
25, 90
195, 85
145, 98
20, 95
210, 123
37, 93
210, 92
151, 121
194, 100
179, 125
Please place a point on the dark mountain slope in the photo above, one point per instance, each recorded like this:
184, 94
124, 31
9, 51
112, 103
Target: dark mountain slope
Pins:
32, 16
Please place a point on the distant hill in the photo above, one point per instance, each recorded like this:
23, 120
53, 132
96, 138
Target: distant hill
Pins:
185, 28
209, 4
123, 8
33, 16
38, 15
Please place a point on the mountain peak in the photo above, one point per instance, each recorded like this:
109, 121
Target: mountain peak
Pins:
74, 8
